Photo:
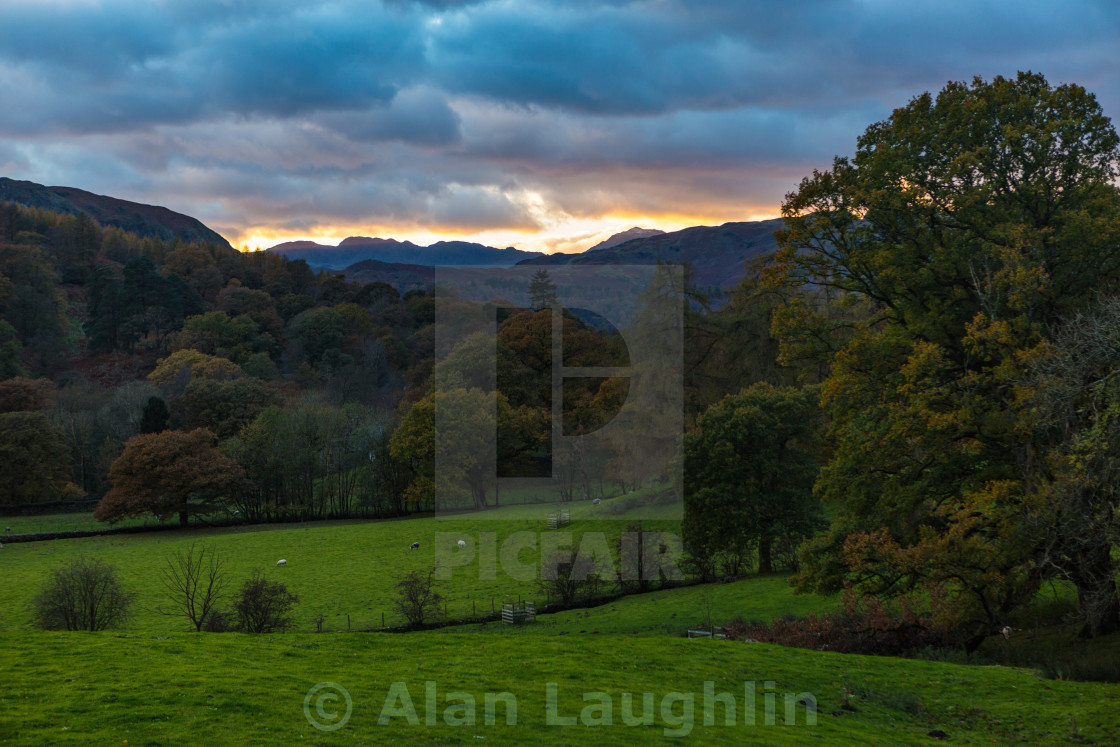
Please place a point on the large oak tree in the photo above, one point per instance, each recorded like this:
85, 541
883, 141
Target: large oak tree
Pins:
970, 223
167, 473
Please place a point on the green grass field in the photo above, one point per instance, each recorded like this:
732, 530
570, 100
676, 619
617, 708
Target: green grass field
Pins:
344, 571
112, 688
153, 683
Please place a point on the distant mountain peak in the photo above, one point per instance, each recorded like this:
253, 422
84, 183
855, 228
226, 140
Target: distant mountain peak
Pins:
367, 241
361, 248
628, 235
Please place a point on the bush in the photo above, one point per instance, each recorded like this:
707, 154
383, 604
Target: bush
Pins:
566, 576
82, 595
859, 626
220, 622
262, 606
416, 600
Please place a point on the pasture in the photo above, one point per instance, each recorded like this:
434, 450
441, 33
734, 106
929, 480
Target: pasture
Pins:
155, 683
127, 688
344, 571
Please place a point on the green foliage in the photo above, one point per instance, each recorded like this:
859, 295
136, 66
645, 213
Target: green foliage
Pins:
197, 365
223, 407
10, 352
749, 469
542, 291
217, 333
36, 461
968, 223
155, 416
263, 606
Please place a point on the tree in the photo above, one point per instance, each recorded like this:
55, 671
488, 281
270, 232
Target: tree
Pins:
11, 351
263, 606
35, 459
417, 600
155, 416
1077, 396
195, 365
24, 395
968, 224
465, 422
167, 473
85, 594
224, 407
542, 291
194, 583
568, 574
749, 469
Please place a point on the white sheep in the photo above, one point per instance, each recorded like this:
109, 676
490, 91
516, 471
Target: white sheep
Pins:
281, 562
414, 546
597, 501
462, 544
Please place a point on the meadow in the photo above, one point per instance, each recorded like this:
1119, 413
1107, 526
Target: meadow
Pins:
154, 683
345, 571
127, 688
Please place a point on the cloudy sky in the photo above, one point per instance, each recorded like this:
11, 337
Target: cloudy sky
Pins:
545, 125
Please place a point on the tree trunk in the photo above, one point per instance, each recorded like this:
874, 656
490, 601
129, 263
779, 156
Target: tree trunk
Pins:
1096, 594
183, 518
765, 562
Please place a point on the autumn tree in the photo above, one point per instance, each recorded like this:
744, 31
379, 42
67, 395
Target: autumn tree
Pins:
190, 364
749, 469
24, 395
167, 473
968, 223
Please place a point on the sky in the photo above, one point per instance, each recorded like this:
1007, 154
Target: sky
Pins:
542, 125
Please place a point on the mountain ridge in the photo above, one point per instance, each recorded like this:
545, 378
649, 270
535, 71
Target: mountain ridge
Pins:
139, 218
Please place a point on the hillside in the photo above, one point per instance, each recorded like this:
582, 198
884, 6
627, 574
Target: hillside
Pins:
403, 277
717, 253
361, 248
143, 220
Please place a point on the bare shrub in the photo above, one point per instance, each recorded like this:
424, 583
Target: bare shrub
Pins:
262, 606
194, 582
85, 594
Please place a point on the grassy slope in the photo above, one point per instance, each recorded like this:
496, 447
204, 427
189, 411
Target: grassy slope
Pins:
335, 568
139, 690
151, 686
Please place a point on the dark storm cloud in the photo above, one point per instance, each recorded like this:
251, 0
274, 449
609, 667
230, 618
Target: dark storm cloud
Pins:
491, 112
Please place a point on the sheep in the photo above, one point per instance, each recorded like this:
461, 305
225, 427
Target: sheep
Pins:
462, 544
282, 561
1006, 632
597, 501
414, 546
